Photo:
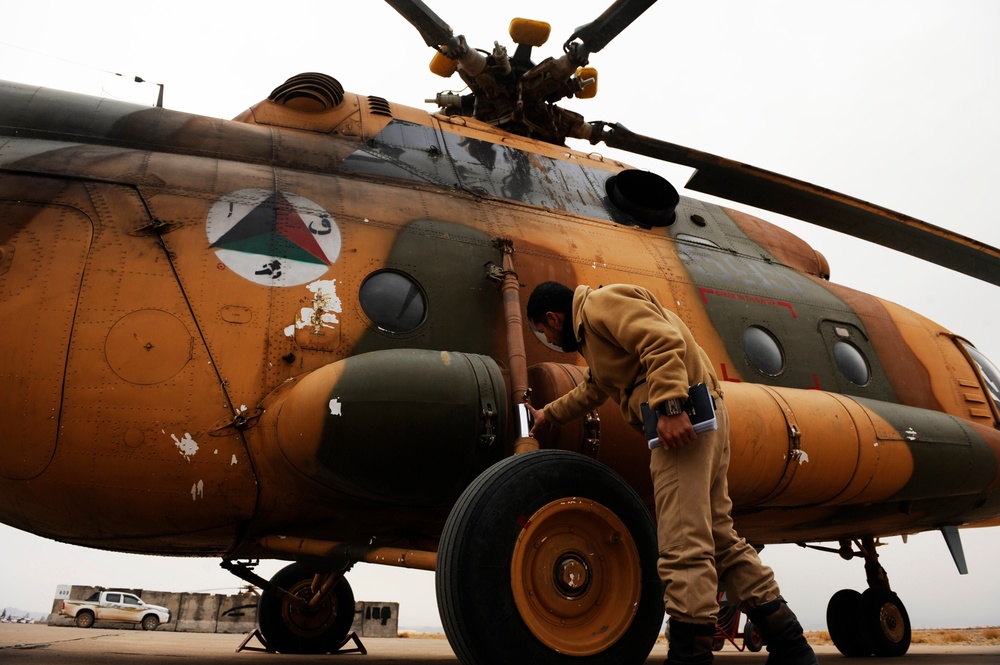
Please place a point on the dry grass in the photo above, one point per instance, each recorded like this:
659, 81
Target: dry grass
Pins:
934, 636
421, 636
957, 636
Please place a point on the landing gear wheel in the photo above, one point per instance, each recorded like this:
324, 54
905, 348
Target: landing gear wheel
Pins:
549, 557
289, 628
753, 641
885, 621
843, 622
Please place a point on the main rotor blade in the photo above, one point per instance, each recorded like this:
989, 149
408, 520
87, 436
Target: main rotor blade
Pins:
763, 189
432, 28
596, 34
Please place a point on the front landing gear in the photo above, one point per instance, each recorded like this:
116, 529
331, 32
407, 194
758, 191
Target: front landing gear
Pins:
549, 558
873, 622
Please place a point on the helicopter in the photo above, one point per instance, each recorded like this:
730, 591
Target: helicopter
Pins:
313, 312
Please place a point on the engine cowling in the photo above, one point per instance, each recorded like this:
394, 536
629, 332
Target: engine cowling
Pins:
399, 427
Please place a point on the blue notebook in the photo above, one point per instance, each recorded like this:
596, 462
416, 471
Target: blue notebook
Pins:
700, 407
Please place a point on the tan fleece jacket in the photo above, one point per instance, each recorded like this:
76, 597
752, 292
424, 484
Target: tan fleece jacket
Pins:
625, 335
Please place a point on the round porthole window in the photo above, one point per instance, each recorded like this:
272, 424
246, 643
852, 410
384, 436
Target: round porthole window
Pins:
852, 363
763, 351
393, 301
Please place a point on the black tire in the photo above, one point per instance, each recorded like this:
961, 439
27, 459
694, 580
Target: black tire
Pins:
886, 623
753, 641
150, 622
85, 619
843, 620
287, 629
517, 577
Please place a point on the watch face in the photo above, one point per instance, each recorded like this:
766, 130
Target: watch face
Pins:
671, 407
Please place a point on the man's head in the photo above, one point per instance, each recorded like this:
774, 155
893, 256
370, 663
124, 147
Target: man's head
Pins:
550, 310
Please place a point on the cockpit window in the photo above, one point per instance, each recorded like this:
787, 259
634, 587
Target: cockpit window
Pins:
989, 372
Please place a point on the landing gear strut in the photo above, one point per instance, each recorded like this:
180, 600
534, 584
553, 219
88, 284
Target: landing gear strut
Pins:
873, 622
301, 611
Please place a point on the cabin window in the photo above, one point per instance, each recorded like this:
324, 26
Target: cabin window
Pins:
852, 363
989, 372
393, 301
763, 351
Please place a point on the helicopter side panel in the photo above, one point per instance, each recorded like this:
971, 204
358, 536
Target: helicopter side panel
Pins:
289, 274
138, 354
134, 459
44, 244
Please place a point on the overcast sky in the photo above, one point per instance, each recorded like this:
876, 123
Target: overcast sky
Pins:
894, 102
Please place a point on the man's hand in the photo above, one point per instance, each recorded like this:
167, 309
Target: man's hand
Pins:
674, 431
538, 418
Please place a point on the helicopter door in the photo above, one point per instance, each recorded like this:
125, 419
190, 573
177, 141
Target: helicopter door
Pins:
43, 249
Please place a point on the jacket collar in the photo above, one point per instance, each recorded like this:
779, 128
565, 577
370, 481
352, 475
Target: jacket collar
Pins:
580, 296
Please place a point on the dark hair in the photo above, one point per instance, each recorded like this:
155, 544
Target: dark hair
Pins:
549, 297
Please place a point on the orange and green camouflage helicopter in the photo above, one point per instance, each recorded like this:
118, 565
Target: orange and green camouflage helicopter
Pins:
300, 335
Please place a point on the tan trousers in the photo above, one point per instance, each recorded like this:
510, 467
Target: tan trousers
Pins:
698, 544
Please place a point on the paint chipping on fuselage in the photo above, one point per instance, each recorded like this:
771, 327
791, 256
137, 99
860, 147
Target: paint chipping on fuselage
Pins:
187, 446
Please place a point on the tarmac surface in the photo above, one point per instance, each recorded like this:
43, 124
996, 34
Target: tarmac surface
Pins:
39, 644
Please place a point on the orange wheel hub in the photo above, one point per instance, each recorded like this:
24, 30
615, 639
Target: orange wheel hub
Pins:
575, 576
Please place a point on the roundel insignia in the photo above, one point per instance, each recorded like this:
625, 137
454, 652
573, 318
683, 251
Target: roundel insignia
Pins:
273, 238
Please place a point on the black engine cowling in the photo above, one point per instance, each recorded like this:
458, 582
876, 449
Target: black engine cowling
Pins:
399, 427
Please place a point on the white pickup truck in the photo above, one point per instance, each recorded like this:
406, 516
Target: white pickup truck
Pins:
114, 606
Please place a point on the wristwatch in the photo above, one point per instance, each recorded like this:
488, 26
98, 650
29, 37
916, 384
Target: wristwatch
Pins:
671, 407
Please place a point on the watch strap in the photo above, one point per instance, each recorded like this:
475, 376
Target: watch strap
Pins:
671, 407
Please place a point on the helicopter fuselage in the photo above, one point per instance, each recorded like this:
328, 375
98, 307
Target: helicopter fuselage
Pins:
289, 324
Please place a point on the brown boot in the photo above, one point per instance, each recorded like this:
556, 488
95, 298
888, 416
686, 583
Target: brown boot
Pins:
690, 643
782, 633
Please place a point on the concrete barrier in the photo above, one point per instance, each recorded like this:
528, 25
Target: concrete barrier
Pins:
376, 619
237, 614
